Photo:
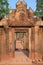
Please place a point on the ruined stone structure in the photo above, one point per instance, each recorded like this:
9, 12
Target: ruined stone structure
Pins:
21, 25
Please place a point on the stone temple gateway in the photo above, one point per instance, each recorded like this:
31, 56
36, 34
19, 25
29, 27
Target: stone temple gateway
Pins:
21, 26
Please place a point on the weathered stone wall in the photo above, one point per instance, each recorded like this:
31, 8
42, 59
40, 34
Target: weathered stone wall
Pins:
40, 42
2, 42
33, 40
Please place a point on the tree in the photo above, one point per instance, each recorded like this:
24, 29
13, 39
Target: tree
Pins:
39, 8
3, 8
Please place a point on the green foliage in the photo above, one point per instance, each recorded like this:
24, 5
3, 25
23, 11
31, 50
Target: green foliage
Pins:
3, 8
39, 8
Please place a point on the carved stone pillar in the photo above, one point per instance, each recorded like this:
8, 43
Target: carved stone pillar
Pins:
11, 41
14, 40
30, 39
7, 40
32, 42
36, 41
40, 45
29, 42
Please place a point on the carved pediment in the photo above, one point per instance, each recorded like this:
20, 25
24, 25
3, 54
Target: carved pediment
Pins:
20, 16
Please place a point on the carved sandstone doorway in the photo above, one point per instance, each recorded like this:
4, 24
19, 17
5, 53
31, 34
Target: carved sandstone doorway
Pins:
21, 41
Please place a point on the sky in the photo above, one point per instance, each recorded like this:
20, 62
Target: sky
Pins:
30, 3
